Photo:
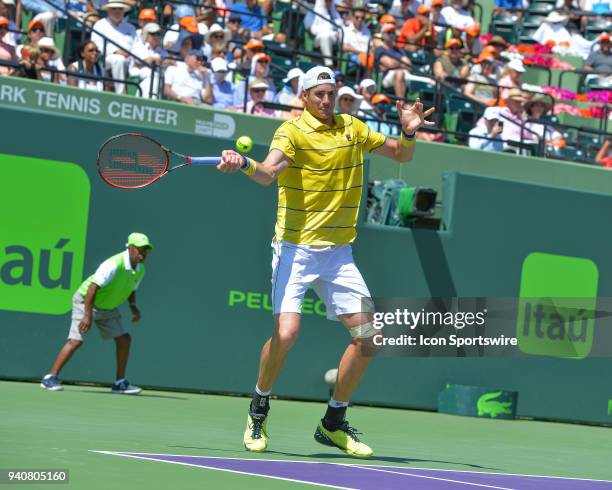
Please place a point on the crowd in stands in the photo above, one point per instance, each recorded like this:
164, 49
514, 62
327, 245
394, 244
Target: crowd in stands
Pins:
231, 55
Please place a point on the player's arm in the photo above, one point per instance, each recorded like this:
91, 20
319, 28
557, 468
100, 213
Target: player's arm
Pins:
90, 299
412, 117
263, 173
133, 308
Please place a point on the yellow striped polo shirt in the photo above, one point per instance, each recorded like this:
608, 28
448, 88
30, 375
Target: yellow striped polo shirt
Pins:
319, 192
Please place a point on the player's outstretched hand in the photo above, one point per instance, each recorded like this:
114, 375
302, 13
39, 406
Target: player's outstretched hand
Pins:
231, 161
412, 116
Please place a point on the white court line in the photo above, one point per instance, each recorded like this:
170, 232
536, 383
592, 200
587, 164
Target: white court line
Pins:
221, 469
356, 464
365, 467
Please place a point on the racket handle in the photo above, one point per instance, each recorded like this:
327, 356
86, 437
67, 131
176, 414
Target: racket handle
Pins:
203, 160
212, 161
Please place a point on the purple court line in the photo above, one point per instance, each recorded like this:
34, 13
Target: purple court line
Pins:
371, 477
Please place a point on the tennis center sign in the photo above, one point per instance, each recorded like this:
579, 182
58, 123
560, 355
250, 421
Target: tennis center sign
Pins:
133, 111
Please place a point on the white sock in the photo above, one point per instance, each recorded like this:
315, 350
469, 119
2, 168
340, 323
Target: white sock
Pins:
336, 404
119, 381
47, 376
262, 393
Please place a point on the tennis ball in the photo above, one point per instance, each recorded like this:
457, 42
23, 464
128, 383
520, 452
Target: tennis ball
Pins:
244, 144
331, 376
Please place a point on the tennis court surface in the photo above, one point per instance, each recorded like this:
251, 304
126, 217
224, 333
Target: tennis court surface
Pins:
182, 440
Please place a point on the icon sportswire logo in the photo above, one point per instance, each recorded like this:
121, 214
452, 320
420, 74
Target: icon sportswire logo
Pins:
558, 297
42, 244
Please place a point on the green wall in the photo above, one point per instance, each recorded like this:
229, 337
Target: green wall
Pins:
212, 233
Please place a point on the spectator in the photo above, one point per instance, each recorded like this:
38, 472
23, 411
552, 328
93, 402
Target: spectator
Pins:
7, 52
437, 20
325, 28
381, 105
251, 48
367, 89
553, 29
206, 18
28, 64
215, 35
48, 13
511, 77
600, 61
357, 38
36, 31
189, 81
514, 118
418, 32
182, 46
456, 16
347, 101
253, 18
145, 16
296, 102
237, 36
504, 5
260, 69
12, 35
481, 86
387, 19
572, 10
404, 9
452, 63
290, 90
87, 64
493, 49
152, 53
340, 79
121, 35
604, 155
392, 62
223, 91
486, 135
189, 25
257, 92
536, 108
49, 54
472, 40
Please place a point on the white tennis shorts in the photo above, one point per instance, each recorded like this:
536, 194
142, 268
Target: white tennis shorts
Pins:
330, 271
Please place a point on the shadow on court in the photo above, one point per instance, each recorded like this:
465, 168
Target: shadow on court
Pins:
318, 456
142, 395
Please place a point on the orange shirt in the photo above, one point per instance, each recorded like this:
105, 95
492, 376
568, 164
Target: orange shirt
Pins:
410, 28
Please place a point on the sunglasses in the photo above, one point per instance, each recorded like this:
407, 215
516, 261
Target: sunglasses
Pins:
46, 50
156, 34
358, 17
258, 90
262, 61
235, 21
217, 36
37, 29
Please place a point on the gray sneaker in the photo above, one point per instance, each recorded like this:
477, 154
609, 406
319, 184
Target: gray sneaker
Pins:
51, 383
125, 388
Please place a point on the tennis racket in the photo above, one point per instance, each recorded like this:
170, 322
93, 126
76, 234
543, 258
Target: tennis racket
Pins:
131, 161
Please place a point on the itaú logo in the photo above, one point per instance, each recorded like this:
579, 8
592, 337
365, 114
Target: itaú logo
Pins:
44, 229
556, 312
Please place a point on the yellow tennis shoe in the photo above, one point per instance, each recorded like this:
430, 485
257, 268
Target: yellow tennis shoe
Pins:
255, 436
344, 438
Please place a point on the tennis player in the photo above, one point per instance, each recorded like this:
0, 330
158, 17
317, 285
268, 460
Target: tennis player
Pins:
98, 299
318, 161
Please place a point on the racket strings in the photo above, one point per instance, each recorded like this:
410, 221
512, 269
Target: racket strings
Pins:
131, 161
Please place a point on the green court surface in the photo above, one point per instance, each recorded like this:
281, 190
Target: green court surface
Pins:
60, 430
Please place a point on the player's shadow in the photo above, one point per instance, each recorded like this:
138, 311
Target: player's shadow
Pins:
141, 395
386, 459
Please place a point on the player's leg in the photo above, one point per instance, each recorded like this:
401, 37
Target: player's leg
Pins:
347, 297
293, 269
110, 326
51, 380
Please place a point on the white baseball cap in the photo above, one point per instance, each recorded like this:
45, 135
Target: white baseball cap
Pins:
219, 64
516, 65
346, 90
491, 113
318, 75
293, 73
367, 82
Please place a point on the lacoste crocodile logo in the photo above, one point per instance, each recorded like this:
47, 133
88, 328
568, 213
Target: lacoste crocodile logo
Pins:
488, 406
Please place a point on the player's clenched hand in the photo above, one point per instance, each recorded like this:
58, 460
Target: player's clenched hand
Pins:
85, 324
135, 313
231, 161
